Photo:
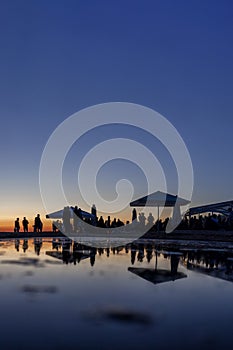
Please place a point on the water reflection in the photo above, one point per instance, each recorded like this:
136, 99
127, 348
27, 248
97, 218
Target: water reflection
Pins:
217, 263
75, 291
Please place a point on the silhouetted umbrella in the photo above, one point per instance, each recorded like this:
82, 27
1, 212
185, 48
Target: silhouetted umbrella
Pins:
59, 214
160, 199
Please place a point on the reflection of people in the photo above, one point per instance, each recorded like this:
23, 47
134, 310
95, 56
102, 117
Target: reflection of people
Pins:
66, 252
92, 256
25, 245
17, 226
38, 224
174, 264
25, 224
17, 245
133, 255
37, 246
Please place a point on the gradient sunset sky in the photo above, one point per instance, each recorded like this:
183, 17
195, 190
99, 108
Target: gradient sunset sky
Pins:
58, 57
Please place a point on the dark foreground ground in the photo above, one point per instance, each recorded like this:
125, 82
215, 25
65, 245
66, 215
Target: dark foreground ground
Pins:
221, 236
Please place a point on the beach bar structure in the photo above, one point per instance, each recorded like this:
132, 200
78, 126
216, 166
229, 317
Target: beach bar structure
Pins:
160, 199
223, 208
66, 225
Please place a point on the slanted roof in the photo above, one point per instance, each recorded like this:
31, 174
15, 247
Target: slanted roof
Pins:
220, 207
159, 198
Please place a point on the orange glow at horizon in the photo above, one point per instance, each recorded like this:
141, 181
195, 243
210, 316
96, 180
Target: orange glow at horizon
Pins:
7, 222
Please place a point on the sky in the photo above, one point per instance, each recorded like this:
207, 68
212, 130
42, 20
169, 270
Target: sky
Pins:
58, 57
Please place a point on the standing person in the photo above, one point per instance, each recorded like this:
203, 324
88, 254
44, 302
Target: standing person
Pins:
150, 220
134, 215
38, 224
17, 226
25, 224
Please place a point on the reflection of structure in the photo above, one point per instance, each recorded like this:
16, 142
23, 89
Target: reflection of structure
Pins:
216, 263
72, 254
160, 199
161, 275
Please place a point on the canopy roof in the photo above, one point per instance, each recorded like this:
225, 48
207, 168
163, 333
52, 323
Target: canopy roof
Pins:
59, 214
224, 208
159, 199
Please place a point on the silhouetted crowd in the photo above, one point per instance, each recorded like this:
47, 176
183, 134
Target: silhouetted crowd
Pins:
207, 222
74, 222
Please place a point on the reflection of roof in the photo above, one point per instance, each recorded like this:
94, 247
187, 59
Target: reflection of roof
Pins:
156, 276
220, 207
59, 255
159, 199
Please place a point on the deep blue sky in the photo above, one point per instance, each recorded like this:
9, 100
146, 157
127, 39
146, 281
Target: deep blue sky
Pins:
58, 57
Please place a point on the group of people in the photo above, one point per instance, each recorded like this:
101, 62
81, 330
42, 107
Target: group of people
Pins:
37, 227
209, 222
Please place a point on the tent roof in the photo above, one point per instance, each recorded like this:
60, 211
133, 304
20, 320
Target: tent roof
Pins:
220, 207
159, 199
59, 214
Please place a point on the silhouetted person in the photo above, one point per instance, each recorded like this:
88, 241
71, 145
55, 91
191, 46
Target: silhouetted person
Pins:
17, 226
134, 215
114, 223
38, 224
108, 223
93, 210
119, 223
101, 222
54, 226
25, 224
142, 219
150, 220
